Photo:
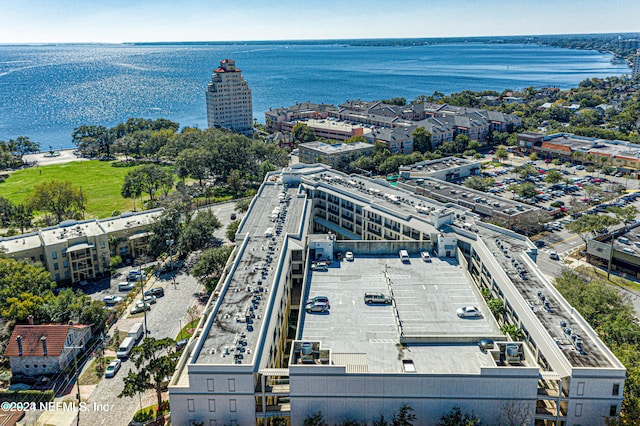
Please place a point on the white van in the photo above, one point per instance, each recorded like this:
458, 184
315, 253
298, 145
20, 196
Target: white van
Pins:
404, 256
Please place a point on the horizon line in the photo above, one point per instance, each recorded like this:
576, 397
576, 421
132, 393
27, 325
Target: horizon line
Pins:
314, 39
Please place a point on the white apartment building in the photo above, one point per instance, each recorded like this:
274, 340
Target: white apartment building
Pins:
229, 102
77, 251
257, 354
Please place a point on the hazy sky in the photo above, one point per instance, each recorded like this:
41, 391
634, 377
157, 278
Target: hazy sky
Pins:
37, 21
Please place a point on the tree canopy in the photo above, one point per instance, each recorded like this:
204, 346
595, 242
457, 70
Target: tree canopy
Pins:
59, 198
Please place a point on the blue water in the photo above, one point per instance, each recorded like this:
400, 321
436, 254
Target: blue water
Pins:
47, 91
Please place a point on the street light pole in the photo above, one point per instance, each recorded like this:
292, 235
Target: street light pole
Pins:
75, 364
170, 244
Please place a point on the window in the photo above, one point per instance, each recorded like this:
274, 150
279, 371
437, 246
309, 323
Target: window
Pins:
580, 388
210, 387
64, 254
578, 410
102, 245
191, 406
213, 422
212, 405
613, 411
232, 385
616, 389
57, 277
55, 266
65, 263
66, 274
232, 405
54, 255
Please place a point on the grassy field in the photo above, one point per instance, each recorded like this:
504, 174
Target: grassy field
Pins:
99, 181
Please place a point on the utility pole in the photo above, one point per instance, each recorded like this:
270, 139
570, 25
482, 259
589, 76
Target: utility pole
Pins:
75, 364
144, 304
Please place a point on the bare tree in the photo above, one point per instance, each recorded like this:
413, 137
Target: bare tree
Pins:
515, 413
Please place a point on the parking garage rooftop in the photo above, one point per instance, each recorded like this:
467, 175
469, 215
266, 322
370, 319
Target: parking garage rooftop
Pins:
420, 325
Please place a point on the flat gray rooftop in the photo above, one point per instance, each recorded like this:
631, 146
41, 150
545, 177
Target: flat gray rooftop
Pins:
484, 201
510, 254
233, 336
426, 297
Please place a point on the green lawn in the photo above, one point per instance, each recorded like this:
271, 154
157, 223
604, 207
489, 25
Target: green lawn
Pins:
99, 181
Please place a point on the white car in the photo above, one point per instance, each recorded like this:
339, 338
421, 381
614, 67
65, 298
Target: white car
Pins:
349, 256
112, 300
425, 256
147, 299
469, 312
112, 368
140, 308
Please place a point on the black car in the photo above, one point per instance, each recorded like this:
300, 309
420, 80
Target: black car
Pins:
156, 291
180, 344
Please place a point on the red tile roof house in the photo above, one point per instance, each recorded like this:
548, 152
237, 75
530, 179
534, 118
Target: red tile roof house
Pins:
37, 350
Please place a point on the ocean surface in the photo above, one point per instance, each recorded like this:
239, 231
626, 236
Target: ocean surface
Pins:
47, 91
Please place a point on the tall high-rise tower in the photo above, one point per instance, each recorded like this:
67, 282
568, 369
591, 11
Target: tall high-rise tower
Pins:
229, 102
635, 72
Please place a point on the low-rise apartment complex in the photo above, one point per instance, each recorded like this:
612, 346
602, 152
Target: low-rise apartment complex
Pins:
77, 251
290, 332
392, 125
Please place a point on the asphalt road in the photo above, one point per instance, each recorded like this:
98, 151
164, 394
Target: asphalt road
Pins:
165, 319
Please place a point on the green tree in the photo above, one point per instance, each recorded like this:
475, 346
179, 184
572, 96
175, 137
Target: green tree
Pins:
59, 198
479, 183
152, 367
512, 330
197, 234
22, 216
149, 178
19, 307
356, 138
315, 419
422, 140
193, 163
6, 212
525, 190
404, 416
461, 141
502, 154
22, 146
232, 228
399, 101
302, 133
243, 205
496, 306
236, 182
211, 264
587, 225
457, 418
553, 176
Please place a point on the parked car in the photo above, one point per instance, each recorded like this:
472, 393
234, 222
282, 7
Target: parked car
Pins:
140, 308
180, 344
319, 299
112, 368
376, 298
126, 286
147, 299
316, 307
112, 300
469, 312
156, 291
349, 256
553, 255
425, 256
319, 266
